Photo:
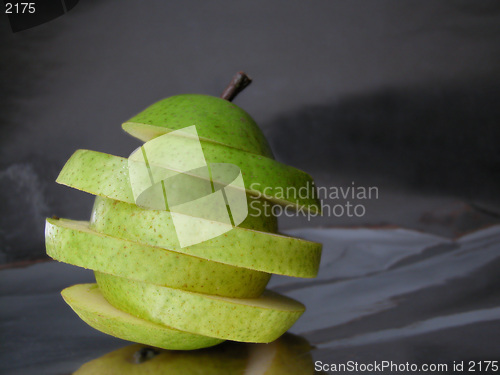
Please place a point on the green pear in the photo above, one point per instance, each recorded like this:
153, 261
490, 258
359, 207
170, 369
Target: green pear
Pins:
261, 319
266, 252
75, 243
217, 121
87, 301
288, 355
107, 175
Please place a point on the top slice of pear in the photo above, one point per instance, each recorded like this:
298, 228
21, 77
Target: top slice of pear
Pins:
217, 120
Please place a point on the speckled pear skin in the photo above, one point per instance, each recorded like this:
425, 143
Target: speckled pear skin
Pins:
152, 290
230, 359
87, 301
107, 175
75, 243
261, 319
266, 252
217, 120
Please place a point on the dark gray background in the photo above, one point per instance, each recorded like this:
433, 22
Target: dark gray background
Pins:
398, 94
402, 95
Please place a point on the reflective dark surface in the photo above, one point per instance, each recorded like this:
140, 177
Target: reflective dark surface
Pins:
381, 295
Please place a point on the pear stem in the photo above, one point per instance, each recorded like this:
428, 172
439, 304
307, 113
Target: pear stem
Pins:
237, 85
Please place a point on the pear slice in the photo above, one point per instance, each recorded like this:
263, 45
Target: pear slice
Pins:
87, 301
289, 355
261, 319
266, 252
217, 120
107, 175
75, 243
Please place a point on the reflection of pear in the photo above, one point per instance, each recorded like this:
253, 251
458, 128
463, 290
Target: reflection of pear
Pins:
217, 120
108, 176
132, 226
288, 355
143, 360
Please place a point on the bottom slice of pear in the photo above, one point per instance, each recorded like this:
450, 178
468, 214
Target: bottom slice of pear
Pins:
87, 301
260, 320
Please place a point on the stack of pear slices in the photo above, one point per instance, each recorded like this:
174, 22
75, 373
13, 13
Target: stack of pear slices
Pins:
153, 291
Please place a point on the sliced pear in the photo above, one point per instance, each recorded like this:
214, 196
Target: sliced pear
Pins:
266, 252
217, 120
107, 175
75, 243
87, 301
261, 319
289, 355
